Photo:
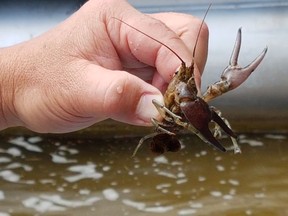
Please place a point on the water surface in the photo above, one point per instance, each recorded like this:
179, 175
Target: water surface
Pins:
98, 177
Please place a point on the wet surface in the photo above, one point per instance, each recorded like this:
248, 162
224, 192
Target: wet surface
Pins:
98, 177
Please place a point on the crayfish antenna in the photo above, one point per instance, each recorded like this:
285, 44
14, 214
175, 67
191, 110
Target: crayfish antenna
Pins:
198, 82
198, 34
158, 41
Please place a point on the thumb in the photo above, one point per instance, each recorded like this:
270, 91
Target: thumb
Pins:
120, 95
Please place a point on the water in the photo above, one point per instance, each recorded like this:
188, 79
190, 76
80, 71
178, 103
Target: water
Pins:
57, 176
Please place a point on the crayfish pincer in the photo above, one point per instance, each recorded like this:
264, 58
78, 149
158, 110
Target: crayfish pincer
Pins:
186, 108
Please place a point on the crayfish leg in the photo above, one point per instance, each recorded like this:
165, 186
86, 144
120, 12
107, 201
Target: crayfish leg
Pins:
165, 113
225, 126
160, 126
143, 139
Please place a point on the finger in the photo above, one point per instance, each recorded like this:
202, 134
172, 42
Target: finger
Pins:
119, 95
146, 50
187, 28
145, 73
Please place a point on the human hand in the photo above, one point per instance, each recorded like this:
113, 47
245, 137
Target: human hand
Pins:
92, 67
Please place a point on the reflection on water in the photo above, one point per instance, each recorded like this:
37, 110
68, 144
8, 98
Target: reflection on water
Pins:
98, 177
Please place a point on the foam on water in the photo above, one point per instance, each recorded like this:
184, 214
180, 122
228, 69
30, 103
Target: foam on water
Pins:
110, 194
220, 168
134, 204
187, 212
20, 141
276, 136
161, 159
34, 139
52, 203
71, 151
85, 172
9, 176
17, 165
216, 193
63, 179
158, 209
253, 143
13, 151
4, 160
2, 195
233, 182
61, 159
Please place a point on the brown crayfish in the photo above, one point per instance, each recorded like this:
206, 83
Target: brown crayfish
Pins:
186, 108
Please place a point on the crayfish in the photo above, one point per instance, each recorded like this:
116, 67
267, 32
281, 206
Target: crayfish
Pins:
186, 108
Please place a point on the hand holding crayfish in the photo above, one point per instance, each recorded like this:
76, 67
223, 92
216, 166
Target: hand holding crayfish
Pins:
90, 68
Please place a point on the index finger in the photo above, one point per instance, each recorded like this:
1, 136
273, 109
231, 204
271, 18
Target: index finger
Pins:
132, 45
187, 28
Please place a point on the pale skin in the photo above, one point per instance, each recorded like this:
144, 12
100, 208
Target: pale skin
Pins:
92, 67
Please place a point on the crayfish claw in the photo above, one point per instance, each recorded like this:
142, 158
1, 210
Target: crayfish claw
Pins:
222, 124
206, 133
235, 53
233, 75
225, 126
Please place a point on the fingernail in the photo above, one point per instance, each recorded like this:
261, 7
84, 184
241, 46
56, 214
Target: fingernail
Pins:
146, 109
